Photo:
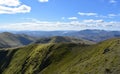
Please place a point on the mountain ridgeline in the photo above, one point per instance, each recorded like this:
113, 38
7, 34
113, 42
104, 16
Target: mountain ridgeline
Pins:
91, 35
63, 39
62, 58
8, 40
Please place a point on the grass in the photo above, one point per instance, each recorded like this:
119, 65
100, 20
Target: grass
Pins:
63, 58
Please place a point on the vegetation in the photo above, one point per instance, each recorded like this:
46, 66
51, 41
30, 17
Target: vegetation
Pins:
63, 39
62, 58
8, 40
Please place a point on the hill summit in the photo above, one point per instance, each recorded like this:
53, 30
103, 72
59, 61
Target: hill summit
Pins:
63, 39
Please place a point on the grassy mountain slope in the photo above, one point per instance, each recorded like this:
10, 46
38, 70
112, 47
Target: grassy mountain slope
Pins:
102, 58
13, 40
63, 39
62, 58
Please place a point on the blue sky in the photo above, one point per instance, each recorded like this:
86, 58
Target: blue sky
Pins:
59, 14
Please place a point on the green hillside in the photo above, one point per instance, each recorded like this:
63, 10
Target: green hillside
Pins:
63, 39
63, 58
13, 40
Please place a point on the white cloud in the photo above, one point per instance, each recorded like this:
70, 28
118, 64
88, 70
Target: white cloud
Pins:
72, 18
112, 1
112, 15
93, 21
12, 7
73, 25
10, 2
87, 14
102, 16
20, 9
43, 1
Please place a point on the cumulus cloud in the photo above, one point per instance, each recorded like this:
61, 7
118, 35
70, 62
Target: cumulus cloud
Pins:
10, 2
13, 6
110, 15
37, 25
72, 18
93, 21
87, 14
43, 1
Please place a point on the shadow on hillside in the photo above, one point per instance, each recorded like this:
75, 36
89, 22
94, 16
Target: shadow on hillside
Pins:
5, 58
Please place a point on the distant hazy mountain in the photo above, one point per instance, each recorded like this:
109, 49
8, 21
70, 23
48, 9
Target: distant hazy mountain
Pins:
13, 40
63, 39
43, 33
93, 35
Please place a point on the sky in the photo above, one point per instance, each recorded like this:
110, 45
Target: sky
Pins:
50, 15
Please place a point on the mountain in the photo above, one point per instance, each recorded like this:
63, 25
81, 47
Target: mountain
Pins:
42, 33
14, 40
96, 35
63, 39
92, 35
63, 58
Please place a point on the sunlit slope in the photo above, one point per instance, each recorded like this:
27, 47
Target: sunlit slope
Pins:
103, 58
63, 39
63, 58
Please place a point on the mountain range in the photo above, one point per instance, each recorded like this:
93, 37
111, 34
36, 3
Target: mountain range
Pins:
8, 40
91, 35
73, 52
